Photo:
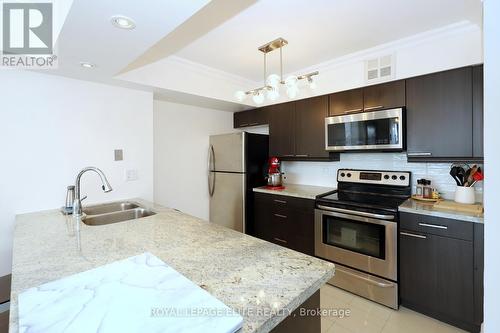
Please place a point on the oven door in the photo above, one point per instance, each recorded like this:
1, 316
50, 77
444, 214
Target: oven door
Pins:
365, 243
375, 130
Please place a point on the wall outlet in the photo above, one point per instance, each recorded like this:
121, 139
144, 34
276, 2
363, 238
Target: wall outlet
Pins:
118, 154
131, 175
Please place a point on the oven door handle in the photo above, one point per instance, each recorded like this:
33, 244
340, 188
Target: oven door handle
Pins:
378, 284
354, 212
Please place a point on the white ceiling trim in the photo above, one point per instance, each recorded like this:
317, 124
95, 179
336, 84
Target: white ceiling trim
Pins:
393, 46
211, 72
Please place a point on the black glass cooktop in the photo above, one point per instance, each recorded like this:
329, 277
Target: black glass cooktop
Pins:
362, 199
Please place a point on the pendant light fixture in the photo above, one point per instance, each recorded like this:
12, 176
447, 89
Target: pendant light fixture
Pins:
273, 82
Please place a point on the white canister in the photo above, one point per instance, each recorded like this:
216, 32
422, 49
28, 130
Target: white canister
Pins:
465, 195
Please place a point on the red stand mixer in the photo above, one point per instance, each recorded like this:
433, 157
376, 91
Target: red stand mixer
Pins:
274, 174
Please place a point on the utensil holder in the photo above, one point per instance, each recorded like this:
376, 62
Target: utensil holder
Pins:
465, 195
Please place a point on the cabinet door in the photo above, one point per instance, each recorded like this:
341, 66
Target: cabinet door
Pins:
262, 217
477, 121
251, 118
282, 130
439, 114
436, 276
345, 102
241, 119
310, 117
384, 96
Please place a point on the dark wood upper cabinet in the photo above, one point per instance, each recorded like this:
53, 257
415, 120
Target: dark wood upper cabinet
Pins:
439, 115
477, 111
384, 96
310, 117
282, 130
345, 102
249, 118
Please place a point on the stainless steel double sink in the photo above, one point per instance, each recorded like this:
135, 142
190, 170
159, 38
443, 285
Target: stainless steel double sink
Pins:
114, 212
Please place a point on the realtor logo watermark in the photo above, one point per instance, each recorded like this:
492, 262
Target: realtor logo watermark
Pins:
27, 36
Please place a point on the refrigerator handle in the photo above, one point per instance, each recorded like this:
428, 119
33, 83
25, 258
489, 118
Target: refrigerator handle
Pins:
211, 164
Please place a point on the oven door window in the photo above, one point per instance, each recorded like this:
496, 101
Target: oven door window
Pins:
360, 237
364, 133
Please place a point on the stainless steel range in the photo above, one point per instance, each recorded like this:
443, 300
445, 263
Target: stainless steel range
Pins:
356, 228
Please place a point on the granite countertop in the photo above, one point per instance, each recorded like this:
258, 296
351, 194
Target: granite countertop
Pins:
296, 190
254, 277
416, 207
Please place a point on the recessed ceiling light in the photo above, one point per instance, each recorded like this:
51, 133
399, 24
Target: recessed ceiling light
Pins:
123, 22
87, 64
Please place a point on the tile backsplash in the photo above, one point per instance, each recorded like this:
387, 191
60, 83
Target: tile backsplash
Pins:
325, 173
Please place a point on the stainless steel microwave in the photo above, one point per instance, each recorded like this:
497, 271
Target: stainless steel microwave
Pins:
374, 130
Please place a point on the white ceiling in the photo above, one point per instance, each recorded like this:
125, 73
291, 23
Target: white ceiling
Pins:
319, 30
204, 50
88, 36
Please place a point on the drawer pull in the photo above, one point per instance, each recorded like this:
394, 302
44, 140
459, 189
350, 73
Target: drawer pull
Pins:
374, 107
352, 111
412, 235
418, 154
433, 226
280, 240
282, 216
280, 201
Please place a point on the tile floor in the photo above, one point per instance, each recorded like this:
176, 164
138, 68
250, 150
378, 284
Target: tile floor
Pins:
369, 317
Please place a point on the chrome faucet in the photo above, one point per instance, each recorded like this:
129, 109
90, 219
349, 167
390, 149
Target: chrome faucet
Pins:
77, 204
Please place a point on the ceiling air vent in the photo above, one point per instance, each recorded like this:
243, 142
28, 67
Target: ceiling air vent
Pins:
379, 69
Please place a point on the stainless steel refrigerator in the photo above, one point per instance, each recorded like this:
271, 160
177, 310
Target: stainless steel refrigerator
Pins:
236, 164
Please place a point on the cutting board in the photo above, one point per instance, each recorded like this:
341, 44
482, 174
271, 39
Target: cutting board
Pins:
476, 209
138, 294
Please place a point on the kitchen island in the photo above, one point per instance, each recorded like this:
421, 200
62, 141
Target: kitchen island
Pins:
256, 278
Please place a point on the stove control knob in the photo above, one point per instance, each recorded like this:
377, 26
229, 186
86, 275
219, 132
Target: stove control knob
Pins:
342, 175
349, 175
394, 177
402, 177
386, 177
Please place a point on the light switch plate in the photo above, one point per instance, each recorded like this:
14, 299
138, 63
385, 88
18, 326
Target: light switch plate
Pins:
131, 175
118, 154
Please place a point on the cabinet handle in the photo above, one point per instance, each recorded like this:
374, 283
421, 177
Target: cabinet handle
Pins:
433, 226
253, 124
374, 107
289, 155
353, 110
282, 216
280, 240
243, 125
418, 154
302, 155
412, 235
280, 201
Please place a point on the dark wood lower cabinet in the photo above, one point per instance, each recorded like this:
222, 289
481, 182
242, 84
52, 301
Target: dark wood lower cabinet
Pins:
439, 274
296, 322
285, 221
4, 322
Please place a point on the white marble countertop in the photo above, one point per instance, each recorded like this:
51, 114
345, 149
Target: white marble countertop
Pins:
416, 207
251, 276
296, 190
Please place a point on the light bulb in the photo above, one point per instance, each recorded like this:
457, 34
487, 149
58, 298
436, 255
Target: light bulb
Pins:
291, 81
273, 80
240, 95
292, 92
273, 94
258, 98
312, 83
